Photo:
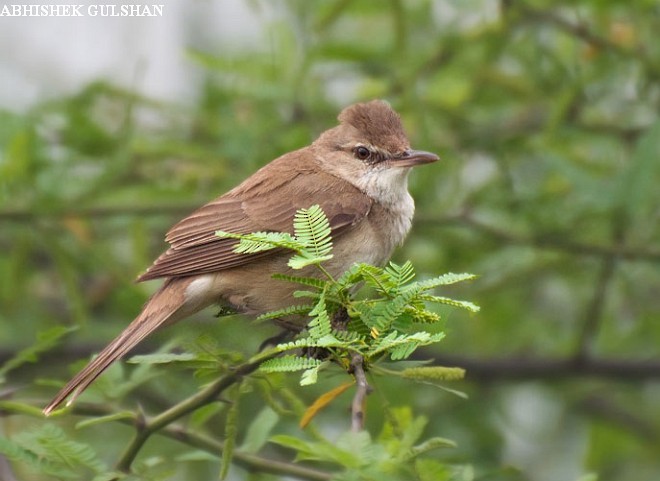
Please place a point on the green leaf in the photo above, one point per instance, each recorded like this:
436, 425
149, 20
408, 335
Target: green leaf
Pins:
307, 281
298, 310
312, 228
445, 280
451, 302
387, 312
299, 261
377, 278
47, 449
320, 325
259, 430
261, 241
289, 364
400, 274
436, 373
46, 340
310, 376
428, 445
305, 450
432, 470
401, 346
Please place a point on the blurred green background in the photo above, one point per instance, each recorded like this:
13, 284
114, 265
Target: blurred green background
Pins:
545, 115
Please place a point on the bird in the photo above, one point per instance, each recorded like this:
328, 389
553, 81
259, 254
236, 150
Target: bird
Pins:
356, 171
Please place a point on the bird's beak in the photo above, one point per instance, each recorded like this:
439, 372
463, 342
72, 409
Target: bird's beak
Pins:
411, 158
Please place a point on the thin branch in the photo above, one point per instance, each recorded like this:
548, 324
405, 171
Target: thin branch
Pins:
463, 220
594, 311
248, 461
213, 446
361, 392
144, 430
27, 215
541, 241
545, 369
584, 33
511, 367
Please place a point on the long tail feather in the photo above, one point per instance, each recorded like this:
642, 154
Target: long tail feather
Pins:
166, 306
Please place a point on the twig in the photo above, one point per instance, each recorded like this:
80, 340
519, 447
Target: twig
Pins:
361, 392
542, 241
584, 33
26, 215
248, 461
594, 313
524, 368
179, 433
511, 367
145, 429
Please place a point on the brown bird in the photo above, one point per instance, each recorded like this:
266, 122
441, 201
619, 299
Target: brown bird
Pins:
357, 172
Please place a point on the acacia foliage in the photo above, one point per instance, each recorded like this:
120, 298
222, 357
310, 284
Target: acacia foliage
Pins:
545, 116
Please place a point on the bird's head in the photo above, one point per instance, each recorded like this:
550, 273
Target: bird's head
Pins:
369, 148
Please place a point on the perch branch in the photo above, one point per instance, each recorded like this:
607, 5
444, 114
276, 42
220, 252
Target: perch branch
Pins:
145, 429
362, 390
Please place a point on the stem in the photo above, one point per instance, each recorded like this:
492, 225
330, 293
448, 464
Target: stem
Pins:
363, 389
215, 447
194, 402
325, 272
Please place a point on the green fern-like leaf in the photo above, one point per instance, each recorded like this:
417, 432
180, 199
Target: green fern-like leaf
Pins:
349, 337
422, 316
401, 346
435, 373
400, 274
260, 241
312, 231
289, 364
306, 281
297, 344
377, 278
320, 326
426, 446
445, 280
312, 228
387, 312
45, 340
299, 310
325, 341
50, 450
310, 376
451, 302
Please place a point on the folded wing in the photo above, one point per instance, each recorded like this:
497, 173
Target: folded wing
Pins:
267, 201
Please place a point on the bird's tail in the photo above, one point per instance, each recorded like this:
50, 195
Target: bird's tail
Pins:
166, 306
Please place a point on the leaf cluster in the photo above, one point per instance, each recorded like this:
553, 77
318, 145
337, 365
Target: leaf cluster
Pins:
390, 322
396, 453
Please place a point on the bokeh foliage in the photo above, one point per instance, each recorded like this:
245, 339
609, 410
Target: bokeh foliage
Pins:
545, 115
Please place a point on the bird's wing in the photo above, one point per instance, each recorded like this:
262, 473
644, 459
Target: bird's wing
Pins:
267, 201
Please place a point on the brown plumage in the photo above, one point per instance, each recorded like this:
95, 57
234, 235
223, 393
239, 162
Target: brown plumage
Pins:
357, 172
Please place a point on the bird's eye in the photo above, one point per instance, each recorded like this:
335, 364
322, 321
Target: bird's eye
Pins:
362, 153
